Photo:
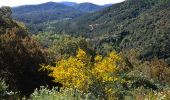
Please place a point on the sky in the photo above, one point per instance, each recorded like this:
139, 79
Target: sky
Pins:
13, 3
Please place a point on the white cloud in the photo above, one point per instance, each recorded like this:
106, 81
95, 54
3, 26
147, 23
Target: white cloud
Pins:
26, 2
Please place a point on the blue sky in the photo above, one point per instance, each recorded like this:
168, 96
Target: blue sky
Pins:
13, 3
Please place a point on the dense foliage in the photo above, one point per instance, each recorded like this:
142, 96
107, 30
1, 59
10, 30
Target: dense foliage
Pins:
88, 7
109, 77
71, 94
79, 72
58, 45
20, 56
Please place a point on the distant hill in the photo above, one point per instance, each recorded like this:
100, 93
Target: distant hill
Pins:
33, 14
88, 7
52, 11
85, 7
107, 5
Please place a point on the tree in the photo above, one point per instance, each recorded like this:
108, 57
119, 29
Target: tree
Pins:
20, 57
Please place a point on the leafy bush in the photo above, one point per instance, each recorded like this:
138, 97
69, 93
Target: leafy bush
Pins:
160, 71
65, 94
143, 94
5, 94
73, 94
3, 87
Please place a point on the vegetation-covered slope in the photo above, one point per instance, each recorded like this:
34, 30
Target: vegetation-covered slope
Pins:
88, 7
131, 24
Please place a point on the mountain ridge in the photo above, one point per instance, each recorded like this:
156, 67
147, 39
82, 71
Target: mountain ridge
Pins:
69, 3
33, 14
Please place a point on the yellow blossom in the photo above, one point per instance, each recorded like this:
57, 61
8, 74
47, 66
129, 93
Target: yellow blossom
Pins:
79, 72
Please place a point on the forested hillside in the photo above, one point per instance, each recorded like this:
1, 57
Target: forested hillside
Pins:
88, 7
131, 24
121, 52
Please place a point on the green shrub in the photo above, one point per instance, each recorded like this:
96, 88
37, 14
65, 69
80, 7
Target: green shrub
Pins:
3, 87
148, 94
5, 94
60, 94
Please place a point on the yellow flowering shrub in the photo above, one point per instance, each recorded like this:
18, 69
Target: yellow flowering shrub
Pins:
72, 72
106, 68
80, 72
